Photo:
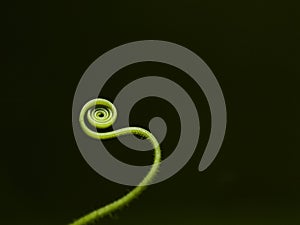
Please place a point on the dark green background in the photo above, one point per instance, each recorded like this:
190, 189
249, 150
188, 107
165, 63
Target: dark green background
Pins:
251, 46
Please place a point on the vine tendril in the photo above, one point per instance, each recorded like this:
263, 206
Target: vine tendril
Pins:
102, 114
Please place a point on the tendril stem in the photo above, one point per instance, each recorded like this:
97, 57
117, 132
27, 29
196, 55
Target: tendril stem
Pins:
101, 113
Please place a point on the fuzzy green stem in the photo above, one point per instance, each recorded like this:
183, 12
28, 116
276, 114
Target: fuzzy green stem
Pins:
103, 117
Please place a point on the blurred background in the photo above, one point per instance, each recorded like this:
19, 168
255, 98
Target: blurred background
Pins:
251, 46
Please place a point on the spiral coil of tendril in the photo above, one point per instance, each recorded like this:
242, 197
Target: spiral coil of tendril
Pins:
102, 116
101, 113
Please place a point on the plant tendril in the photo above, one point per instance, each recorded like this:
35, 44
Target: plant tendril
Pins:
101, 114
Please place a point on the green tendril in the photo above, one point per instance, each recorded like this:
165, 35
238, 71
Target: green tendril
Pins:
102, 114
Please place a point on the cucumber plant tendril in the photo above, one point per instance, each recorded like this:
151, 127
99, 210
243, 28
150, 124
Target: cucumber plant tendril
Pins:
101, 114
